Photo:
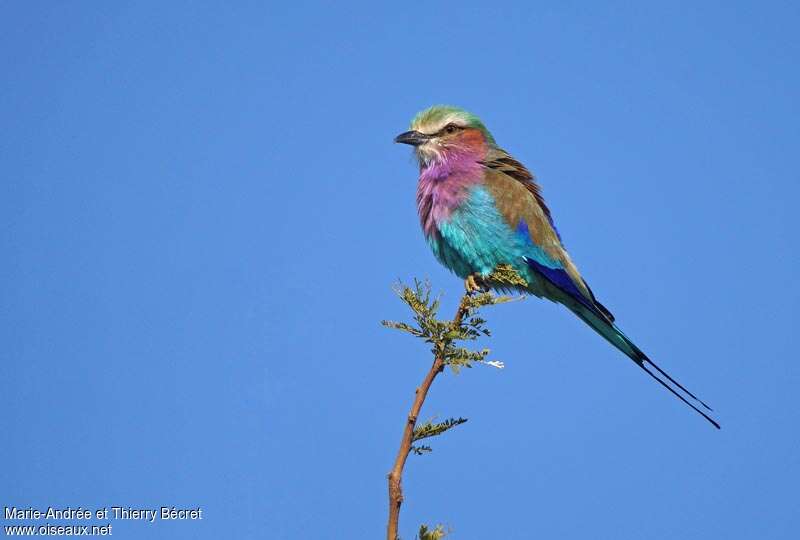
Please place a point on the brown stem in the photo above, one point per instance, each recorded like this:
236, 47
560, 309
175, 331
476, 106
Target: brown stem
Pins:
396, 474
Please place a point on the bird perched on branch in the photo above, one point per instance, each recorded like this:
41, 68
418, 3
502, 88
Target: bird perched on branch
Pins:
480, 208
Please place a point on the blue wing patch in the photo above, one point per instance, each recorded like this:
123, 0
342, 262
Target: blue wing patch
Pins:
557, 275
524, 232
560, 278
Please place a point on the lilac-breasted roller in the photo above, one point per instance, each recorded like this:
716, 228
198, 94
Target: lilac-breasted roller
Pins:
480, 208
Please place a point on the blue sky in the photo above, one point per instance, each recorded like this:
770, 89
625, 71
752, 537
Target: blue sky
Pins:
203, 214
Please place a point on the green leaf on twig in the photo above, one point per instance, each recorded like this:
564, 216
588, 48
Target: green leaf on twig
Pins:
427, 534
443, 335
429, 429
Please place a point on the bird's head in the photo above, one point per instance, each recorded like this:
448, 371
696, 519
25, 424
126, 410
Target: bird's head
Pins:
442, 133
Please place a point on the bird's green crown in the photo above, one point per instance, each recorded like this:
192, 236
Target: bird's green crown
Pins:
433, 119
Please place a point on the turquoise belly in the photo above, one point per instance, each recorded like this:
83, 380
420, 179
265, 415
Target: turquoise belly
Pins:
476, 238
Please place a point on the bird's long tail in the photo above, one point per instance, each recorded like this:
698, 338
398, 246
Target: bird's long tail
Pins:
614, 335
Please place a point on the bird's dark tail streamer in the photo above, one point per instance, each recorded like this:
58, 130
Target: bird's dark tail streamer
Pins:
602, 322
615, 336
668, 387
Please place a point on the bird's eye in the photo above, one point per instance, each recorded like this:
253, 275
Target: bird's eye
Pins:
450, 128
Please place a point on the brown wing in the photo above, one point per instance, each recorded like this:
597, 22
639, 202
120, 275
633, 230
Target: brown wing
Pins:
518, 197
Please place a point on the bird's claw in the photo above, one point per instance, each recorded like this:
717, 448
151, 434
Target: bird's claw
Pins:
474, 284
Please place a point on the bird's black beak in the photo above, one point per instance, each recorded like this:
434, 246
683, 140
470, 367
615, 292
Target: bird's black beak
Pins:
414, 138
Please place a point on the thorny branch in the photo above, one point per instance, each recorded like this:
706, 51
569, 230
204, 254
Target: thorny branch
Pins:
465, 325
396, 474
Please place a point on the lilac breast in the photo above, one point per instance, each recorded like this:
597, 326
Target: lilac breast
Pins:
442, 189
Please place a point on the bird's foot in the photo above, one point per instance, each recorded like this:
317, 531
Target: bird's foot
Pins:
475, 284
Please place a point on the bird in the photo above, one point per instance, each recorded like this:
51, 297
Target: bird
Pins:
481, 208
